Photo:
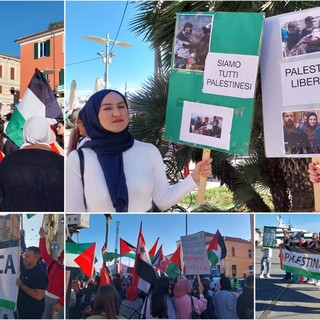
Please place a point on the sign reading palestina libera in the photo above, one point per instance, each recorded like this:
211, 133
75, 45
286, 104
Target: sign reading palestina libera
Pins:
290, 79
213, 80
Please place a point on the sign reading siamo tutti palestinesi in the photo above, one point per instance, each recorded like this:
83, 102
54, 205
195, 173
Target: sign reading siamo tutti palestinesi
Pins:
213, 80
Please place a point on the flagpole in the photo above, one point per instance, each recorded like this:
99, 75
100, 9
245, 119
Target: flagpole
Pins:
108, 219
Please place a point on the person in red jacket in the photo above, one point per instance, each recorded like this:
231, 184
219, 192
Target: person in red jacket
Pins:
54, 295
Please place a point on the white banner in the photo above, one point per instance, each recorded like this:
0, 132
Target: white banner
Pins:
195, 254
9, 272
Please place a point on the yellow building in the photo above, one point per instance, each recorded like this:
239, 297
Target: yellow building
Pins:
9, 82
9, 227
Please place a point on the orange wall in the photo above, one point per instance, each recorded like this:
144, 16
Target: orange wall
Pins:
54, 61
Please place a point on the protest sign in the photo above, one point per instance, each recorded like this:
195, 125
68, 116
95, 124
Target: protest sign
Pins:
300, 261
269, 236
195, 254
9, 272
213, 80
290, 79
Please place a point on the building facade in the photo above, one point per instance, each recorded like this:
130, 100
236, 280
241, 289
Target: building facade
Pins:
9, 82
10, 227
44, 51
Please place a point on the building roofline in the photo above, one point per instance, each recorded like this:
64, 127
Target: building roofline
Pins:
9, 56
46, 32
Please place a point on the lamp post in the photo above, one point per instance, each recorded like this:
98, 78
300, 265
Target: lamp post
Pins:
108, 55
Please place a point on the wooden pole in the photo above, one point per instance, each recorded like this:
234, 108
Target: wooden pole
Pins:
316, 190
203, 180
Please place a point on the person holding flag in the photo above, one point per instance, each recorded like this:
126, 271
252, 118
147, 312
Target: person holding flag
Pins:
120, 174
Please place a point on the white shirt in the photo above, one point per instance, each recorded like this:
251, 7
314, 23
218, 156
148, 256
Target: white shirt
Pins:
145, 177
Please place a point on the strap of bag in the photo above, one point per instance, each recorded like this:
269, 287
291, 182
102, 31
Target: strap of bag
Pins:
81, 158
192, 305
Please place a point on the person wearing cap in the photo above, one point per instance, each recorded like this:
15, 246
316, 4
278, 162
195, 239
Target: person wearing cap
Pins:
184, 303
183, 46
130, 307
309, 21
203, 46
54, 294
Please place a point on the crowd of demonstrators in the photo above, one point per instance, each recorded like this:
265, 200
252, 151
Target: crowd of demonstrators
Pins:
167, 299
108, 159
297, 42
32, 177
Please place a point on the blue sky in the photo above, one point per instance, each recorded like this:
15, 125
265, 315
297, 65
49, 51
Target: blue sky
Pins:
169, 227
306, 221
132, 65
23, 18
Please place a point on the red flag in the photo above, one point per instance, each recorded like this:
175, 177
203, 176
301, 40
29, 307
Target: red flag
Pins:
153, 250
104, 276
163, 262
281, 256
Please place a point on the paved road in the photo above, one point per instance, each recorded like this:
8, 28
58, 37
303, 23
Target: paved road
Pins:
276, 299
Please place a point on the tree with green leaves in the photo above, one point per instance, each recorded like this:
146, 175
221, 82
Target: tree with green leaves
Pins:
284, 179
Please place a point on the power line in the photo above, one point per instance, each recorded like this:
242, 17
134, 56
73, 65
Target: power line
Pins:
123, 15
124, 12
69, 64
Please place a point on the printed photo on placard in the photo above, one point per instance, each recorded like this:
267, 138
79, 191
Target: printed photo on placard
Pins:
202, 124
301, 131
300, 34
192, 41
206, 124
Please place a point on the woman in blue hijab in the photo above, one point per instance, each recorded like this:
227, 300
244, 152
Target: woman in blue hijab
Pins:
120, 174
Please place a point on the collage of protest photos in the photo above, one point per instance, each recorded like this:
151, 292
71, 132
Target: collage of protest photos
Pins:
159, 159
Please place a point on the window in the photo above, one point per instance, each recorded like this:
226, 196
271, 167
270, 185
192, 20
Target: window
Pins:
61, 77
0, 89
0, 71
234, 269
233, 251
12, 73
42, 49
249, 253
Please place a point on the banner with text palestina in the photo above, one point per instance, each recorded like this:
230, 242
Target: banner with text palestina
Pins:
213, 80
300, 261
9, 272
290, 80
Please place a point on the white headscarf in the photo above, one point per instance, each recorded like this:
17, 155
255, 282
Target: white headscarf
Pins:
36, 131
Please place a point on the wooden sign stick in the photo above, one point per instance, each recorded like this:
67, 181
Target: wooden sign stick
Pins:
316, 190
203, 180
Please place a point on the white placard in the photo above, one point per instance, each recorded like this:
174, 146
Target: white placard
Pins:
195, 254
300, 82
222, 115
232, 75
9, 272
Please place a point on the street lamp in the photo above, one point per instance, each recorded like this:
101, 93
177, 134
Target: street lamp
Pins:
108, 56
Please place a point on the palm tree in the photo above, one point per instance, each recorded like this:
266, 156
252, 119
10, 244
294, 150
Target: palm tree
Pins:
284, 179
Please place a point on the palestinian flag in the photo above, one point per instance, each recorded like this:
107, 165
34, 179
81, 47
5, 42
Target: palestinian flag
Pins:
144, 275
81, 255
153, 250
127, 249
108, 256
217, 249
38, 100
300, 261
174, 265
